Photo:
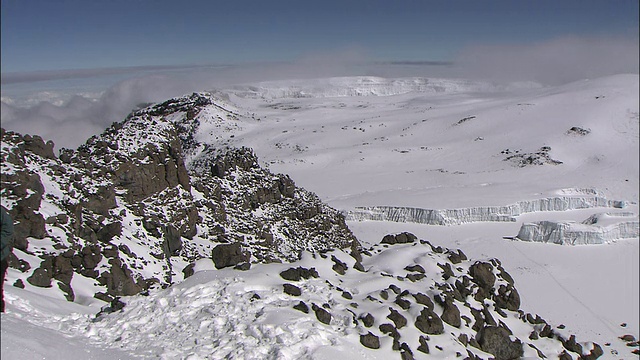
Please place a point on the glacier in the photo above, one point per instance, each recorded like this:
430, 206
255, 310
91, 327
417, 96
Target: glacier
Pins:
506, 213
593, 230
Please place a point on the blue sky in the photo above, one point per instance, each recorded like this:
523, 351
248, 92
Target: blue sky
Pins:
81, 34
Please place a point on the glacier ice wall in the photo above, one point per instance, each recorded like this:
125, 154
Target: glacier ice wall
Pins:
587, 232
481, 213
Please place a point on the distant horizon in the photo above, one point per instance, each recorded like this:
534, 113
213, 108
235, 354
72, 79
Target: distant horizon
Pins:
45, 75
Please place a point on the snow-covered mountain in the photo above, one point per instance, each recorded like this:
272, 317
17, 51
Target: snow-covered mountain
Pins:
173, 203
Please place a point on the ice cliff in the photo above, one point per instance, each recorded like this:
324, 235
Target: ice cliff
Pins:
481, 213
597, 229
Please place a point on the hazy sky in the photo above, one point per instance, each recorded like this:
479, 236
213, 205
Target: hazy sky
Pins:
81, 34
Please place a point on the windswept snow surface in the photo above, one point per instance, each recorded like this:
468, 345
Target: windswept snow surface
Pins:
366, 142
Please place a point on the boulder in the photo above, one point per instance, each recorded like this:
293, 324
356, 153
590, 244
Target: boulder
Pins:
225, 255
370, 341
495, 340
429, 322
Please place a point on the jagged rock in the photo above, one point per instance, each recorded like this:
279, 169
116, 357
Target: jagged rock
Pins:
119, 281
495, 340
482, 274
403, 303
447, 272
41, 278
370, 341
405, 352
299, 273
384, 294
323, 315
367, 319
478, 320
546, 331
464, 339
401, 238
301, 306
292, 290
429, 322
627, 338
188, 270
339, 266
456, 257
415, 268
571, 344
173, 240
62, 269
424, 346
91, 256
595, 353
507, 298
109, 231
424, 300
67, 290
451, 314
488, 318
225, 255
18, 264
397, 318
36, 145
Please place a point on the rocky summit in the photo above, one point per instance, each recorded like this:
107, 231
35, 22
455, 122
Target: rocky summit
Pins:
138, 204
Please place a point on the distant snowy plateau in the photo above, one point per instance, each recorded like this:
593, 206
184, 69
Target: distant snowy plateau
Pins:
352, 217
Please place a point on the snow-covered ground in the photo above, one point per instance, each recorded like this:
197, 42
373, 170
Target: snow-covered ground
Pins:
366, 142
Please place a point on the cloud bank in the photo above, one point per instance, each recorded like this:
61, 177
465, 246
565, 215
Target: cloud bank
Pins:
553, 62
69, 124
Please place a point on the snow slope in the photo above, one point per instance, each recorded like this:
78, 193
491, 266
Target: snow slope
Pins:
404, 143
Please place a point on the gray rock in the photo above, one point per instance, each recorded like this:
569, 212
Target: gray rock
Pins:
225, 255
370, 341
482, 274
451, 314
495, 340
323, 315
292, 290
299, 273
367, 319
301, 306
397, 318
429, 322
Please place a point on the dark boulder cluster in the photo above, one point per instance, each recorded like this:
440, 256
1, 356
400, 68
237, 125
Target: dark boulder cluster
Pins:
578, 131
523, 159
469, 301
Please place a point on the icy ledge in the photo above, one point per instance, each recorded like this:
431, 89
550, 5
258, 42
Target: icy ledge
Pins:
597, 229
481, 213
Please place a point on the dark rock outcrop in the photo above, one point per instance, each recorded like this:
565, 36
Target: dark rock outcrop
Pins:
225, 255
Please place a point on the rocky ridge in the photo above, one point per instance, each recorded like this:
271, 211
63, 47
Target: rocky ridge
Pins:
137, 204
